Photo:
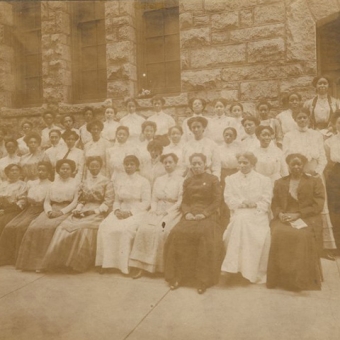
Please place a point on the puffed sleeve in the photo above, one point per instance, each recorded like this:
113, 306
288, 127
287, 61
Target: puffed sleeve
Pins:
318, 200
216, 197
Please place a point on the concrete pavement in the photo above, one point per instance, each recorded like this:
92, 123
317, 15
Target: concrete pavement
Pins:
114, 307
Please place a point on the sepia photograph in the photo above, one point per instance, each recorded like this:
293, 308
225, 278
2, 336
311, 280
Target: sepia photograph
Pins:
170, 170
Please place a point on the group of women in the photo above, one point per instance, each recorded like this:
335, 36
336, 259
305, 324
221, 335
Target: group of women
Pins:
231, 192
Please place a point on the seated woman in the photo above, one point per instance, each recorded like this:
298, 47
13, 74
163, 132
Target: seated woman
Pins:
147, 251
60, 200
152, 167
117, 231
11, 146
75, 240
247, 238
296, 229
14, 231
193, 249
29, 161
12, 195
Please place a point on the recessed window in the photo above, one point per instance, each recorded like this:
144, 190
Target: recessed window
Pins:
89, 51
27, 47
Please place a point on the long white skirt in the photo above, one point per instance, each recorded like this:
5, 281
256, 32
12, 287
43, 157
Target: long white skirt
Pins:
114, 241
247, 243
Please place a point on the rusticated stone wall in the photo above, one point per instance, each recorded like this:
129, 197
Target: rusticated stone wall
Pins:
239, 49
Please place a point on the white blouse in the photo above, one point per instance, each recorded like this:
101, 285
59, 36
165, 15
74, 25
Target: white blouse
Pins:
249, 143
332, 145
151, 169
132, 193
177, 149
187, 134
85, 136
7, 160
217, 125
167, 193
228, 154
286, 120
134, 122
109, 131
37, 190
163, 121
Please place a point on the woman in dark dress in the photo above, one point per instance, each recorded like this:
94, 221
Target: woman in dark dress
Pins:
194, 248
296, 229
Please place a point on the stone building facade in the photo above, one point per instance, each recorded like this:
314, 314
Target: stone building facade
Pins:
242, 50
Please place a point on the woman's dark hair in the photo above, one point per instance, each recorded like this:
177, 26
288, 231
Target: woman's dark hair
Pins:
235, 104
294, 92
26, 121
304, 110
335, 117
260, 128
48, 113
10, 166
158, 97
249, 156
251, 118
88, 108
131, 158
47, 165
56, 131
130, 99
290, 157
70, 133
11, 140
172, 155
149, 123
200, 155
191, 102
93, 123
155, 145
233, 130
32, 135
221, 100
179, 128
198, 119
69, 116
71, 163
91, 159
263, 102
317, 78
124, 128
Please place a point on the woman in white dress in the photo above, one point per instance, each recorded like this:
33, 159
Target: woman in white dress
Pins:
201, 144
286, 117
133, 121
270, 159
116, 154
309, 143
11, 146
247, 238
147, 251
110, 125
117, 232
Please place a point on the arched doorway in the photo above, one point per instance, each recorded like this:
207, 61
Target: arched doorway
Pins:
328, 43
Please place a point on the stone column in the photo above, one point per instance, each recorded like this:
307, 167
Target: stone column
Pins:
6, 55
56, 51
120, 26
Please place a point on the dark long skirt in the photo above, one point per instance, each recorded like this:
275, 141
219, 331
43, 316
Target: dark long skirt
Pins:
333, 191
194, 250
37, 239
10, 212
13, 233
294, 261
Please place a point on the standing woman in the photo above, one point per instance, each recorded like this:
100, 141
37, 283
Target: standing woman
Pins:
14, 231
97, 146
117, 232
26, 127
110, 125
60, 200
270, 159
247, 238
29, 161
85, 135
50, 154
250, 142
116, 154
132, 120
148, 134
11, 146
12, 195
322, 106
68, 122
75, 240
332, 147
294, 253
48, 118
309, 143
201, 144
193, 249
286, 117
148, 247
